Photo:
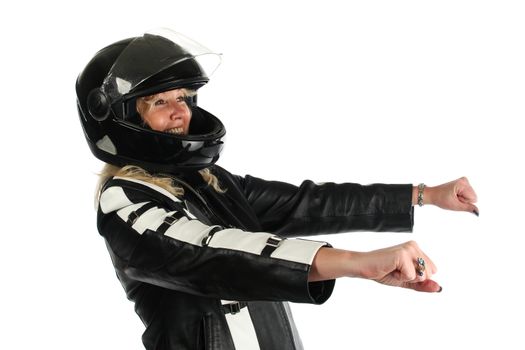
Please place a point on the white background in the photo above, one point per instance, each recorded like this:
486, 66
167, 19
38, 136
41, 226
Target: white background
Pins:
368, 91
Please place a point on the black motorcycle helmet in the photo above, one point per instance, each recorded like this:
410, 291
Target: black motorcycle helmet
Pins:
107, 90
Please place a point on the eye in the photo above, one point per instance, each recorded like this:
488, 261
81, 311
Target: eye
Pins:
159, 102
181, 99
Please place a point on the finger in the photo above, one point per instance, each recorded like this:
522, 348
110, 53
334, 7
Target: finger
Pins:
420, 267
431, 268
426, 271
422, 261
428, 286
415, 265
406, 272
463, 205
468, 196
466, 191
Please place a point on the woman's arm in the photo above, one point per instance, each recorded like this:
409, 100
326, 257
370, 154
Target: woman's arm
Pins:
153, 239
311, 208
454, 195
394, 266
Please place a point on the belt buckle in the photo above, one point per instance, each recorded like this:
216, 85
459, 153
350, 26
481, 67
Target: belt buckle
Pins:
132, 218
235, 308
274, 241
170, 220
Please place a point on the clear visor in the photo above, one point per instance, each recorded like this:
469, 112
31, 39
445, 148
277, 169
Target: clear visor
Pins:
153, 53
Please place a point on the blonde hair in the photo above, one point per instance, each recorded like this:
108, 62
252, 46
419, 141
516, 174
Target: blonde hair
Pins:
162, 180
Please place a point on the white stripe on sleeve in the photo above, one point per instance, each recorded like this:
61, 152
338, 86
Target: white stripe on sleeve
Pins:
150, 185
113, 199
149, 220
298, 250
189, 231
124, 212
236, 239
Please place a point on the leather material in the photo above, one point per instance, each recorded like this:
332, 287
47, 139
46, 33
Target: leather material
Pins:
177, 287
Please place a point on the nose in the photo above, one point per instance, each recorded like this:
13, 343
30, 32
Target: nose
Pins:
176, 110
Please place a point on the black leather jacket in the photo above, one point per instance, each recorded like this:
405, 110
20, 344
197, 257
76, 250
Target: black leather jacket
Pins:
180, 259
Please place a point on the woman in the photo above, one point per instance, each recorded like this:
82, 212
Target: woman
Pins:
207, 256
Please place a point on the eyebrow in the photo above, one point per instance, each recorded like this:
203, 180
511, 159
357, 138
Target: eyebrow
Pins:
177, 94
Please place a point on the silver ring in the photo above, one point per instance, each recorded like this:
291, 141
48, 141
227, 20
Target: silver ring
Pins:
420, 269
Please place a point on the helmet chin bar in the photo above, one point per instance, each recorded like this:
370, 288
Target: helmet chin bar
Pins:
158, 151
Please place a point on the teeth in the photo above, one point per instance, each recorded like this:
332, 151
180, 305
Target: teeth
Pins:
176, 131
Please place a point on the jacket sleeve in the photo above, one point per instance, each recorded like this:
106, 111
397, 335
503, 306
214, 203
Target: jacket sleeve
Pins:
312, 209
159, 242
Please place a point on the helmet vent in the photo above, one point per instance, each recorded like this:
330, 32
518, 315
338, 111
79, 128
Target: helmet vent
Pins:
105, 144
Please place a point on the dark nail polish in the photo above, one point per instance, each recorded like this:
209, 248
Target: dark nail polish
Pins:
476, 213
440, 289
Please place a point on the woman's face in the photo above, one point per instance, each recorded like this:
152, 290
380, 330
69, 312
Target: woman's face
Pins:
168, 112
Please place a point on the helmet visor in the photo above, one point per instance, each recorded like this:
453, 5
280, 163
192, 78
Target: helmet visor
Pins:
157, 61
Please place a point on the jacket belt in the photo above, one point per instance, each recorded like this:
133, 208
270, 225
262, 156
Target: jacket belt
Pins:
233, 308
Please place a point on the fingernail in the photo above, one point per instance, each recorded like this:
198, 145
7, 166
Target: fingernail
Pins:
476, 213
440, 289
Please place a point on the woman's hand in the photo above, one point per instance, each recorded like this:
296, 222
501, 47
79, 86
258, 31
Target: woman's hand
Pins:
394, 266
398, 266
454, 195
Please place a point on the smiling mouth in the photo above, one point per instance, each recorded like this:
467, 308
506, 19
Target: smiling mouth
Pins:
175, 131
